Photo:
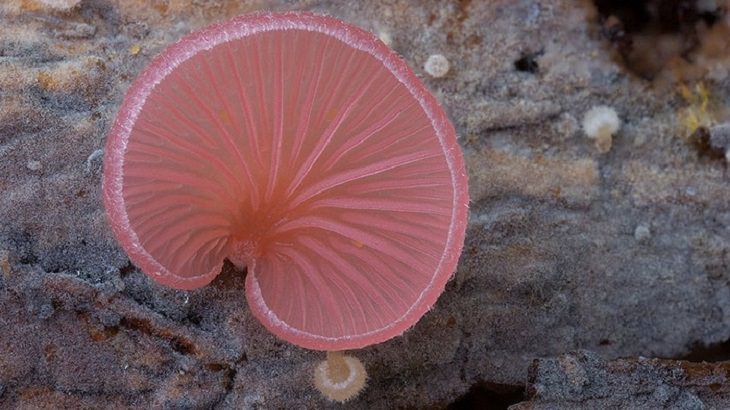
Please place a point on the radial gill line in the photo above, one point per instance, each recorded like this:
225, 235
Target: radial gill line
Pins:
359, 139
353, 234
251, 129
152, 130
189, 177
278, 125
303, 124
330, 133
347, 177
379, 204
323, 141
228, 138
308, 270
389, 288
335, 277
339, 266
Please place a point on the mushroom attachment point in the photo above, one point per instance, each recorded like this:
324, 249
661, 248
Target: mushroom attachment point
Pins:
340, 377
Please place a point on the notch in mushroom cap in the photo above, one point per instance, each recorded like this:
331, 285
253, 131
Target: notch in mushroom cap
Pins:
305, 149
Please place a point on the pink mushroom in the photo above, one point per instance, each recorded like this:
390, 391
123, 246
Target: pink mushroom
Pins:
300, 147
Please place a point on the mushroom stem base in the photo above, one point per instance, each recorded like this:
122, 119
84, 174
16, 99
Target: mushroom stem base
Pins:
340, 377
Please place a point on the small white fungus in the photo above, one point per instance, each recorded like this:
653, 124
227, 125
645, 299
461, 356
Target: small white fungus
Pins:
340, 378
437, 66
385, 37
96, 155
62, 5
600, 123
642, 232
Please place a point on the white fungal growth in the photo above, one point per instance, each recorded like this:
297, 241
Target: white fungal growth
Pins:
340, 377
385, 37
600, 123
642, 232
437, 66
96, 155
61, 5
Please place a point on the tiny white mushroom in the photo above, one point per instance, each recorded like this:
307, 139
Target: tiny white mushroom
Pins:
600, 123
642, 232
385, 37
340, 377
437, 66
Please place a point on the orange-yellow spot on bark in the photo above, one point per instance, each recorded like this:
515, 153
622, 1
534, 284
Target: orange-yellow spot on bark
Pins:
46, 81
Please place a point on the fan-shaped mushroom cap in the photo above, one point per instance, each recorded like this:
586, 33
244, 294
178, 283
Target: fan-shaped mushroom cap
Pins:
304, 148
